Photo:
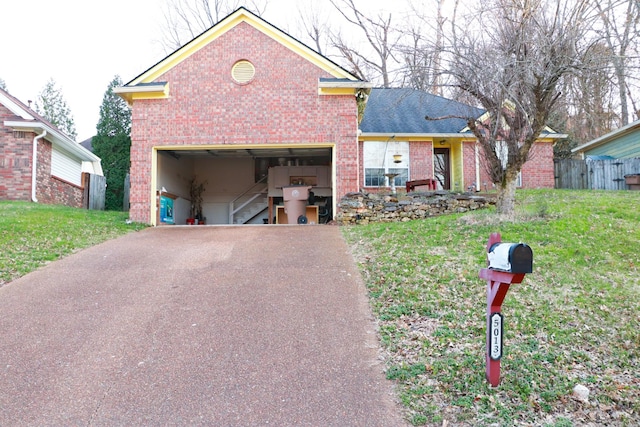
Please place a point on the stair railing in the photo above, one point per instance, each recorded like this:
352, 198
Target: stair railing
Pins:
233, 209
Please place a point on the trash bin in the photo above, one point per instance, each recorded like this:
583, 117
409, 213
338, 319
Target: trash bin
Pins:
295, 203
633, 181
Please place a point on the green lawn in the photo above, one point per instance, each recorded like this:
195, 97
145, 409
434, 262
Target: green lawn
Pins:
33, 234
574, 320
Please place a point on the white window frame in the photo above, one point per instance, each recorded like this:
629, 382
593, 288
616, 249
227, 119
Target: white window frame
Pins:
378, 155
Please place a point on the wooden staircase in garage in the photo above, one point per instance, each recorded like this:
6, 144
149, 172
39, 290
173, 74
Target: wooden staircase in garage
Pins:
249, 204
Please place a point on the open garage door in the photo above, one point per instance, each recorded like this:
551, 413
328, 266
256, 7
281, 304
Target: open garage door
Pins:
239, 184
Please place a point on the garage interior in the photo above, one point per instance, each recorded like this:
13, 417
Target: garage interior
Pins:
242, 185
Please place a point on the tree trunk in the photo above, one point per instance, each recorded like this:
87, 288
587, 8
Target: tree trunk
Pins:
505, 203
622, 89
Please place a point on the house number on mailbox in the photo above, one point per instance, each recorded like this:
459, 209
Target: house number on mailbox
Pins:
496, 336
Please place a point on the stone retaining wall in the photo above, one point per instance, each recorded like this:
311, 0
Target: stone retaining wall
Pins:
361, 208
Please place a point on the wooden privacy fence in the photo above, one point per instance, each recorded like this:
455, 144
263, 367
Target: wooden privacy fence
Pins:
95, 191
126, 192
594, 174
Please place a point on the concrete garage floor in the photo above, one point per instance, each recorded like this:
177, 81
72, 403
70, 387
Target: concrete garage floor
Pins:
225, 326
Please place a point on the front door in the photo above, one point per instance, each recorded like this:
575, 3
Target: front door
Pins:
442, 168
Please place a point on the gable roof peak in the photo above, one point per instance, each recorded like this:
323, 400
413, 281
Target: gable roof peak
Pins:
240, 15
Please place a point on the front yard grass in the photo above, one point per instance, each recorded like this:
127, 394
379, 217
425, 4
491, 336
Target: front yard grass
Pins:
574, 320
32, 234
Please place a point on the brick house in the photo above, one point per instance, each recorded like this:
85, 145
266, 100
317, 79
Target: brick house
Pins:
38, 162
245, 109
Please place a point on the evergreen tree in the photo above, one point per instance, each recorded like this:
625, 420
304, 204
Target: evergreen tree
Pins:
3, 85
51, 105
113, 144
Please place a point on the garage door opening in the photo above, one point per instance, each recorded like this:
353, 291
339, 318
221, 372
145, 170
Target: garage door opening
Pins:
241, 185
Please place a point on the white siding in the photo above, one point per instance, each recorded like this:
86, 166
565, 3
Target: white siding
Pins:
65, 165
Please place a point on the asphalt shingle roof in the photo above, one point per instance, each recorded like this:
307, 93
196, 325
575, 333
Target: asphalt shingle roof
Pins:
403, 110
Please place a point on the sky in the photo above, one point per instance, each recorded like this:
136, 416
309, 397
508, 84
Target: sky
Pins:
82, 45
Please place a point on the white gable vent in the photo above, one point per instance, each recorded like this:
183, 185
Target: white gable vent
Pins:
243, 72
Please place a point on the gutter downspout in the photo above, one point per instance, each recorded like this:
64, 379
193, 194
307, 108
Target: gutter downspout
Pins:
34, 169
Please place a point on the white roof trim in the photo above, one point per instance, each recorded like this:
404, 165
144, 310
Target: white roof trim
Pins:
140, 88
553, 135
15, 108
56, 137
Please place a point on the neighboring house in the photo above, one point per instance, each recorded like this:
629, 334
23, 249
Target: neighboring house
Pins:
623, 143
38, 162
247, 109
88, 144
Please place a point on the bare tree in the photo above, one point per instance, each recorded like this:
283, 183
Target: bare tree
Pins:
419, 67
513, 68
436, 86
186, 19
423, 48
619, 20
314, 26
591, 96
381, 37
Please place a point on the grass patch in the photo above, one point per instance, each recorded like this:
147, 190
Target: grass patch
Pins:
573, 320
33, 234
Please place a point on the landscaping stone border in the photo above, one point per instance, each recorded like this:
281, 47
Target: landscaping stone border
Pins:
363, 208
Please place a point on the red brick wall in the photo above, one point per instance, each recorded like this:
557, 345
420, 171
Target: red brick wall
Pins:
53, 190
469, 164
15, 161
361, 163
281, 105
16, 150
538, 171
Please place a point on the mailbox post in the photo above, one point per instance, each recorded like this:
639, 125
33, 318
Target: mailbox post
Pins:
508, 264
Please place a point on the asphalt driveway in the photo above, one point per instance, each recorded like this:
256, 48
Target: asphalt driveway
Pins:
224, 326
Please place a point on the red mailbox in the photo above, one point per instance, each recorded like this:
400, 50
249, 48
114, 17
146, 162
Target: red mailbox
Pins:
508, 263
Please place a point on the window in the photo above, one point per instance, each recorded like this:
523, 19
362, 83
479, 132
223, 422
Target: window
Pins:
374, 177
402, 178
378, 161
